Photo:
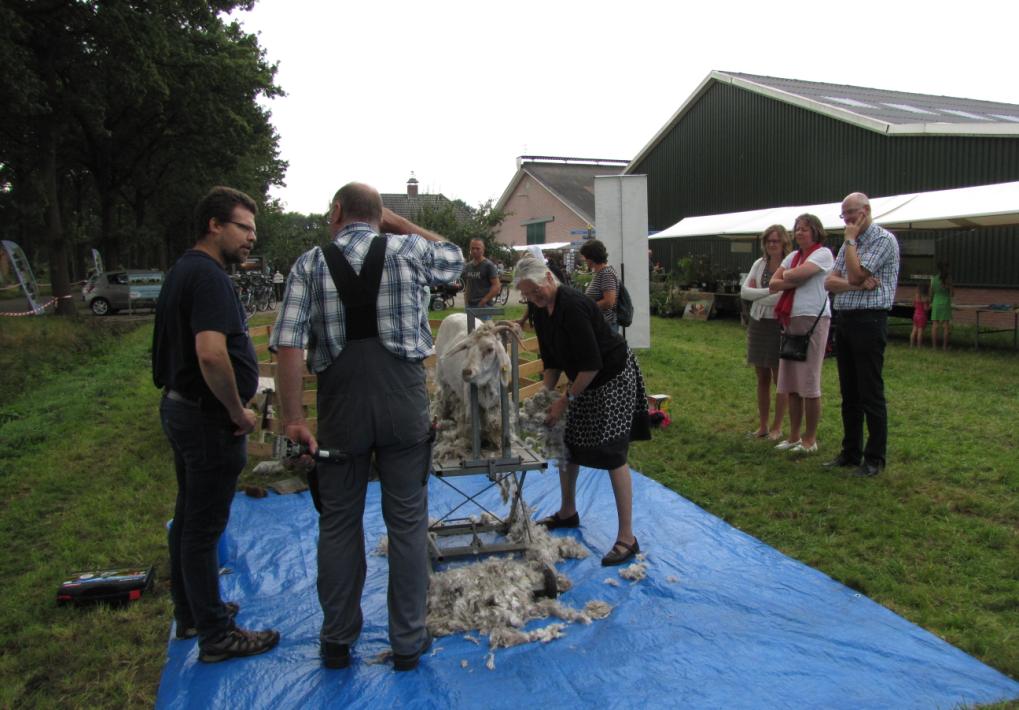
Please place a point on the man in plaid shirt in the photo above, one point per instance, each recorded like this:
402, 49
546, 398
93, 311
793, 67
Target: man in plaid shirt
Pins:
864, 280
367, 350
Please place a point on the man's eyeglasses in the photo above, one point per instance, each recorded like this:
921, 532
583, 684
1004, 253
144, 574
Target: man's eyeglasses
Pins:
246, 227
851, 212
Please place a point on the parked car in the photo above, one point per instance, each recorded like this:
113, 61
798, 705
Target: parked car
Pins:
113, 291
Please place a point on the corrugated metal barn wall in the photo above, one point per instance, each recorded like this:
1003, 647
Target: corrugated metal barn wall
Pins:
736, 150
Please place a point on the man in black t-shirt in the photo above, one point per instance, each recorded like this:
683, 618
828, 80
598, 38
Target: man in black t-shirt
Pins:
204, 361
481, 277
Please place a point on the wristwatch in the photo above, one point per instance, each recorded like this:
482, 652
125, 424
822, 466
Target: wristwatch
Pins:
570, 396
850, 242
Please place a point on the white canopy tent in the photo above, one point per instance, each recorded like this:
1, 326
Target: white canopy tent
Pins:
981, 206
550, 245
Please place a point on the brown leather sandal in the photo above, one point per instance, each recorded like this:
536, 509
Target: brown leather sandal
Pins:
626, 552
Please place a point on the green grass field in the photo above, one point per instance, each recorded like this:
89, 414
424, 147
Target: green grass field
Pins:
86, 480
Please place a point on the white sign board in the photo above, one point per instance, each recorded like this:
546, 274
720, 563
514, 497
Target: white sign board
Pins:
620, 215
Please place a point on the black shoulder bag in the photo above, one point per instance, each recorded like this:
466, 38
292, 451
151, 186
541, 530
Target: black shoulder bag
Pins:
795, 347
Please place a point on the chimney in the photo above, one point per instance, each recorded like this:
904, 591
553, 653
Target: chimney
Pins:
412, 186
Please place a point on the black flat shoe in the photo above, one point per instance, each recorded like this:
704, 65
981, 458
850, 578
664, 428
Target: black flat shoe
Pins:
335, 655
620, 553
410, 662
868, 469
554, 521
841, 461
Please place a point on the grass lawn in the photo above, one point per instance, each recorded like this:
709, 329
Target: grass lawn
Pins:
86, 480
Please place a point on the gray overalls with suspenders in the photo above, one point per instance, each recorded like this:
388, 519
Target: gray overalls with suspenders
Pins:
372, 405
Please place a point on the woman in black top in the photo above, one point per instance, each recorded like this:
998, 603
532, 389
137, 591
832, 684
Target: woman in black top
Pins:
604, 401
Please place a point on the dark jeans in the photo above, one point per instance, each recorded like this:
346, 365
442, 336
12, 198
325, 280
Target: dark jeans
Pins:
208, 458
860, 340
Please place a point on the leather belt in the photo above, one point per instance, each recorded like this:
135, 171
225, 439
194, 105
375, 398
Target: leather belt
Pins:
178, 397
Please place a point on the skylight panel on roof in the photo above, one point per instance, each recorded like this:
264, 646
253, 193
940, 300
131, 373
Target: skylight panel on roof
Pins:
849, 102
1005, 117
964, 114
909, 109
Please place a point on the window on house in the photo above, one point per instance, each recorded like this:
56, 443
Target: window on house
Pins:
536, 233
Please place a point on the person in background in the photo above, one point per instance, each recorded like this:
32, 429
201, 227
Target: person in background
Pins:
604, 286
359, 307
763, 330
921, 304
278, 280
864, 280
557, 270
205, 363
481, 277
941, 305
605, 404
804, 305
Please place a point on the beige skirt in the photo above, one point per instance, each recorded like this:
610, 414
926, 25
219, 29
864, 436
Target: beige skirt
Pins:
804, 378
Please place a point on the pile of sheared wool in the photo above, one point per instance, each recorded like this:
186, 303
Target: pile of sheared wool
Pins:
528, 424
451, 447
545, 441
635, 572
496, 595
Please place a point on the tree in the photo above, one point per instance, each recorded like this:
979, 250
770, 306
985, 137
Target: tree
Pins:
461, 223
284, 236
116, 116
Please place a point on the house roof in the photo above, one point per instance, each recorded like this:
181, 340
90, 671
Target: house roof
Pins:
570, 180
409, 206
879, 110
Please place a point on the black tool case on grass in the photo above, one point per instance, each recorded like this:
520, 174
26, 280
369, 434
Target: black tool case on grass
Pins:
112, 586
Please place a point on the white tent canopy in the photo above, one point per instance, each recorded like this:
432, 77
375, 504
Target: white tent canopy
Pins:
544, 247
981, 206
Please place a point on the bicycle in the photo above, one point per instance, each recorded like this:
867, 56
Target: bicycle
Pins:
503, 297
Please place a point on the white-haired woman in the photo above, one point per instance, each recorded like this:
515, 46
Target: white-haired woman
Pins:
605, 404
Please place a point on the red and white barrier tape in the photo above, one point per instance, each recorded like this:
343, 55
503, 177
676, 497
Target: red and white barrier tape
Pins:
34, 311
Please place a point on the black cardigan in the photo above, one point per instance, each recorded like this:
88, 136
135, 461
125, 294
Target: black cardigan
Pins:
576, 338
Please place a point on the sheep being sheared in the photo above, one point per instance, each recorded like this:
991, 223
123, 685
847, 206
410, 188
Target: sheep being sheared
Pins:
464, 359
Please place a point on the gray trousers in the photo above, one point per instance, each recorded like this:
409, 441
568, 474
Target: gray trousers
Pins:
372, 404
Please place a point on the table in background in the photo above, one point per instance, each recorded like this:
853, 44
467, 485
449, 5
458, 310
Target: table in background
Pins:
1011, 309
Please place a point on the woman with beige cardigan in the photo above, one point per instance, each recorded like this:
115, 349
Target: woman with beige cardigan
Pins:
763, 330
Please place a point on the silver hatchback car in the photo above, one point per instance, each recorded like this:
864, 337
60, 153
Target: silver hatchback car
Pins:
113, 291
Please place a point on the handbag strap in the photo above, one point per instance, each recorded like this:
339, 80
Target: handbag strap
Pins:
825, 303
811, 331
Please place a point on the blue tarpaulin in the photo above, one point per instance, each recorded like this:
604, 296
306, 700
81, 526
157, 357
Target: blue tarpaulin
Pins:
722, 620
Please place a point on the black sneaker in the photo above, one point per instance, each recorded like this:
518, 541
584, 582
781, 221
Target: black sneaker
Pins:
335, 655
237, 643
410, 662
187, 631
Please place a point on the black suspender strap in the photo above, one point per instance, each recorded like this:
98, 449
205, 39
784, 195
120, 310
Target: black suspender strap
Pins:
358, 294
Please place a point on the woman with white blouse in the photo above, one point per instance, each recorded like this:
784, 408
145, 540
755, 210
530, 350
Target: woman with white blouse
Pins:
802, 306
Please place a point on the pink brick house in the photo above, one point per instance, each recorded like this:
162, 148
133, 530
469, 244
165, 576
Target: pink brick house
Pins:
551, 200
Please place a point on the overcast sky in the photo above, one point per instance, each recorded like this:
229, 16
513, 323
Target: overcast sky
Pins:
455, 91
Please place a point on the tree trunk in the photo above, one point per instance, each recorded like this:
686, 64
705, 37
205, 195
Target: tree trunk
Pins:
57, 246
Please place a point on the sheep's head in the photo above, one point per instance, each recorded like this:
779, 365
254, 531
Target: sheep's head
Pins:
486, 358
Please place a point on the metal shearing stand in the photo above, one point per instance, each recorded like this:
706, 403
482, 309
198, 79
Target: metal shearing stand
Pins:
513, 461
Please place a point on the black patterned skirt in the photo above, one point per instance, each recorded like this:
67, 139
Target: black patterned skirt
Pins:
601, 423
